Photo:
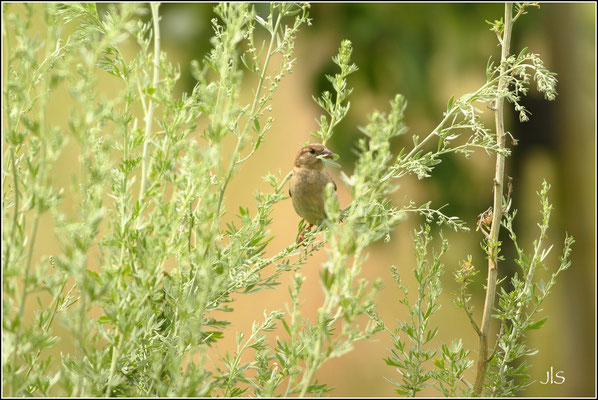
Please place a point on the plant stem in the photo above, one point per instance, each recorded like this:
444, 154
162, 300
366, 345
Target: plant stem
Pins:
16, 205
307, 378
493, 243
252, 116
235, 364
149, 116
469, 314
115, 354
24, 294
56, 301
282, 183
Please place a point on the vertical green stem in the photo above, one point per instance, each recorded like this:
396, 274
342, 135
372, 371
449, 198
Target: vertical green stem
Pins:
493, 243
309, 376
252, 112
9, 126
115, 354
56, 301
149, 117
16, 205
24, 294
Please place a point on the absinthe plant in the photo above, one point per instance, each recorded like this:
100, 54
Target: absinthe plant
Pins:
500, 370
154, 260
116, 253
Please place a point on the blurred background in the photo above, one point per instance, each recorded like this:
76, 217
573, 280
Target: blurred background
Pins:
428, 53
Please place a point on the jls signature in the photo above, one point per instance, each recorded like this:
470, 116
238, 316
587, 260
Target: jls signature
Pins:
552, 378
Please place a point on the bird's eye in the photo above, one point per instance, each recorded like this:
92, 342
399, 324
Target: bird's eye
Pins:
312, 151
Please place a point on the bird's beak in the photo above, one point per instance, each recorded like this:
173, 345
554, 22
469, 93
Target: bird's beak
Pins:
327, 154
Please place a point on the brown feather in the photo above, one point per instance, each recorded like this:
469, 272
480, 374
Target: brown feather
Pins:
308, 182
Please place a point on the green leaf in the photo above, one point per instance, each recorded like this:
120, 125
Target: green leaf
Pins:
450, 103
256, 124
330, 162
95, 276
262, 22
286, 326
537, 325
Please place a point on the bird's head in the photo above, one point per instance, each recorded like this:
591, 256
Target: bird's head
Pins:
310, 156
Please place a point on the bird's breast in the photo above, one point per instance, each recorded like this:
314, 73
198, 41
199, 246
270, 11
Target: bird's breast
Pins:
307, 193
309, 182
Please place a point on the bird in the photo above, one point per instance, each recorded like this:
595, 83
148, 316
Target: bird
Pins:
307, 184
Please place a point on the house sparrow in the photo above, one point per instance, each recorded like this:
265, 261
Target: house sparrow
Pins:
307, 184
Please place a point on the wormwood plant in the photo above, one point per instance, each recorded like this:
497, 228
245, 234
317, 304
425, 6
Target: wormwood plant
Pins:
152, 259
147, 259
500, 370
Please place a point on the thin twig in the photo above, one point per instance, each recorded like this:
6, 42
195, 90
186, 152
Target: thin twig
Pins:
522, 8
476, 328
500, 335
252, 116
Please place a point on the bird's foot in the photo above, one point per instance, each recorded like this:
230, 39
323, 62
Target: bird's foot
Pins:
302, 235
